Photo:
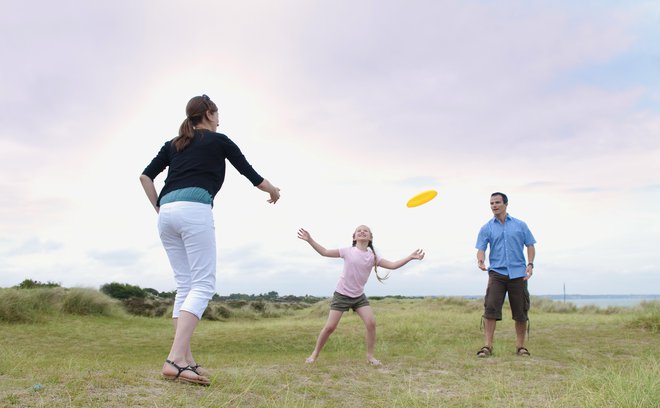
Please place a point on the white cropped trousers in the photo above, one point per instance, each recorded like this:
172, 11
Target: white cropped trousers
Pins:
187, 232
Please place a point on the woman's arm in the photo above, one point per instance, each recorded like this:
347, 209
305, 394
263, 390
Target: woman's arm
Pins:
331, 253
270, 189
384, 263
150, 190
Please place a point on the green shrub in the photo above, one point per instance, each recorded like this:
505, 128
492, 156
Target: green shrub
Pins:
151, 291
650, 305
236, 304
149, 307
648, 317
250, 310
35, 305
460, 303
123, 290
544, 304
259, 306
48, 300
319, 309
216, 311
599, 310
81, 301
29, 306
32, 284
167, 295
16, 307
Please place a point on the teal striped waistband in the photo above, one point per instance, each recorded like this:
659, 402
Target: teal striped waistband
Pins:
194, 194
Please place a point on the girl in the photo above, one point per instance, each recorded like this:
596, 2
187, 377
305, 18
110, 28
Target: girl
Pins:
349, 294
196, 170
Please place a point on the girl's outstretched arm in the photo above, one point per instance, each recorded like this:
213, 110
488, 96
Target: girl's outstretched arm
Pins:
384, 263
304, 235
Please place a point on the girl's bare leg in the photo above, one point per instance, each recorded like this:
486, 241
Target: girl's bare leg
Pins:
330, 326
366, 313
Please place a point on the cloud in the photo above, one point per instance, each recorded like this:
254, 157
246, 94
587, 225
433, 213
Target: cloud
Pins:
118, 258
351, 108
420, 181
69, 59
30, 246
651, 188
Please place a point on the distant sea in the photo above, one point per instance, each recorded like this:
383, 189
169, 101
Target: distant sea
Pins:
601, 301
604, 301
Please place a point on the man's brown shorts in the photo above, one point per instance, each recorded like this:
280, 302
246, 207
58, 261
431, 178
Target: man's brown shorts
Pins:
498, 286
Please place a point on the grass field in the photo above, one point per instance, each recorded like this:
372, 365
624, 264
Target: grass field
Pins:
427, 346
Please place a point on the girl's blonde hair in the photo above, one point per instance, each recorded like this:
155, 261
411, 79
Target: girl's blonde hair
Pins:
371, 246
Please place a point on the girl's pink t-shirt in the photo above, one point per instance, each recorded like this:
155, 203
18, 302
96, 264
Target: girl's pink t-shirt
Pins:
357, 267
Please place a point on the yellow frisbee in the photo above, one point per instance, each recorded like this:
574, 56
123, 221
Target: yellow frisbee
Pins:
422, 198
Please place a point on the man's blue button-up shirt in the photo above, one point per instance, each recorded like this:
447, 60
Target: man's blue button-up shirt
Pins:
506, 245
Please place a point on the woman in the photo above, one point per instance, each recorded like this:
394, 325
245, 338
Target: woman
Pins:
196, 162
359, 260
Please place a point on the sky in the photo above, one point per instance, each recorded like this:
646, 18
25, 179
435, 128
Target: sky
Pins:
350, 108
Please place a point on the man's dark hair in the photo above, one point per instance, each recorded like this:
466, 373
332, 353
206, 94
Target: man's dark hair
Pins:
505, 199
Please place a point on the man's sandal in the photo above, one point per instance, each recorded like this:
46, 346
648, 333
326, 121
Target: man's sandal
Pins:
374, 362
485, 351
522, 351
199, 380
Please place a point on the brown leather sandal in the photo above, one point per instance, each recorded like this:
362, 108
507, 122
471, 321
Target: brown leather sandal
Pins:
522, 351
485, 351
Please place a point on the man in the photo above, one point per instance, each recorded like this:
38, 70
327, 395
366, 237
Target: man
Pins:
507, 271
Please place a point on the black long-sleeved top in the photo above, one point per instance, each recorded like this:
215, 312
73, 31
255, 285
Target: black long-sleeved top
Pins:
200, 164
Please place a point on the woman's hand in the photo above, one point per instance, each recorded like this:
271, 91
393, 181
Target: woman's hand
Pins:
273, 191
274, 195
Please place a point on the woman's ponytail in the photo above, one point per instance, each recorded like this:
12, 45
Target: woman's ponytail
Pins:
195, 111
186, 135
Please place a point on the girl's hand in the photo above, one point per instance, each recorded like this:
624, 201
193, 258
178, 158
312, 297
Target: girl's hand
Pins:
304, 235
418, 254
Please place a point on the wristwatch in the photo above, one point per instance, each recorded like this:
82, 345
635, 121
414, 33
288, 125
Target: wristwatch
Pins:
530, 264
